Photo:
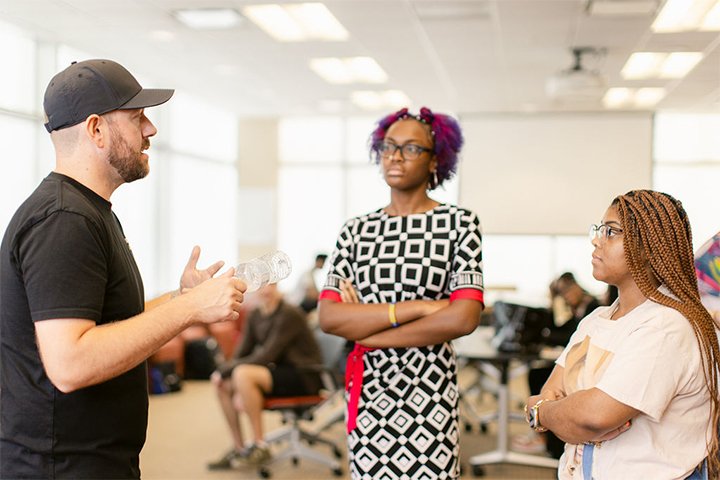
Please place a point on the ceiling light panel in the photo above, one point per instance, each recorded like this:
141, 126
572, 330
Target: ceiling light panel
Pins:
712, 19
373, 100
617, 97
318, 22
682, 15
348, 70
367, 99
643, 65
620, 97
275, 21
209, 18
396, 98
679, 64
660, 64
332, 70
297, 22
366, 70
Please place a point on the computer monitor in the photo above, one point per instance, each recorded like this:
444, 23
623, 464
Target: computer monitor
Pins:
521, 328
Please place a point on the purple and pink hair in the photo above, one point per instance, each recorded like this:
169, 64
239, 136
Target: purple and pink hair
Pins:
444, 130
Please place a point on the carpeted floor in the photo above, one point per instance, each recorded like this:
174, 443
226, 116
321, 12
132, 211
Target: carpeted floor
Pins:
186, 431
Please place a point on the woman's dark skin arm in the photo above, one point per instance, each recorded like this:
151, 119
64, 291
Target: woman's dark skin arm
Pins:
422, 322
584, 416
356, 321
458, 318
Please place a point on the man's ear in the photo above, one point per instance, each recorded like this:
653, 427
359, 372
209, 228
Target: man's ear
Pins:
96, 130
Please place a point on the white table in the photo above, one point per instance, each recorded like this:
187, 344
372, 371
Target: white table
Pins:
475, 349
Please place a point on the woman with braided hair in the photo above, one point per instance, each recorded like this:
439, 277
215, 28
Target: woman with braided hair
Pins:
635, 392
404, 281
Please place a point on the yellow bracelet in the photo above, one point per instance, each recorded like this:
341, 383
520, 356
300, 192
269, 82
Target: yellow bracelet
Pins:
391, 316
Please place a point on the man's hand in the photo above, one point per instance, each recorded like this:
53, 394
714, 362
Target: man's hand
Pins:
192, 277
217, 299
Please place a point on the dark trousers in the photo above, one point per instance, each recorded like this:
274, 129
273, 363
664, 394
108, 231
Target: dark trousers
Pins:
536, 379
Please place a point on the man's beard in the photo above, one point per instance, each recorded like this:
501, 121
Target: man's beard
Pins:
128, 164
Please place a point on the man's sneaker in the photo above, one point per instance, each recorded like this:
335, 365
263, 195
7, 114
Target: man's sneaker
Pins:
231, 459
257, 455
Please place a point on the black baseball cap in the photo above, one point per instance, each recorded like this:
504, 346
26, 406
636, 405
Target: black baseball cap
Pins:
95, 87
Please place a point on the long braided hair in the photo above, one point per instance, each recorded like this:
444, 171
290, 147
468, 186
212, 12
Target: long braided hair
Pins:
657, 233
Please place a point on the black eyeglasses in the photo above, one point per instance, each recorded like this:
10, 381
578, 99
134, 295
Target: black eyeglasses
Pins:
603, 231
408, 152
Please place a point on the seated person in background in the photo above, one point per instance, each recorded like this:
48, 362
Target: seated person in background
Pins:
578, 302
575, 303
276, 343
610, 295
635, 392
307, 291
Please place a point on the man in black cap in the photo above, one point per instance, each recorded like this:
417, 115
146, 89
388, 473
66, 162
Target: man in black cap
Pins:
75, 331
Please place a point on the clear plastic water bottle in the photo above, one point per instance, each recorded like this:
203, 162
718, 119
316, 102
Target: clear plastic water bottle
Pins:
269, 268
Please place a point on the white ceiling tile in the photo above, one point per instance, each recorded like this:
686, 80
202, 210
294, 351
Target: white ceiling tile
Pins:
465, 56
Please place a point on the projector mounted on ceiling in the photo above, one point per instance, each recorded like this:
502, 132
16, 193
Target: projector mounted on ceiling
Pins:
577, 83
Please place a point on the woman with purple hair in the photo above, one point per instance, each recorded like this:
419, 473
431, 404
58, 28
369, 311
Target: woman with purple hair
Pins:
404, 281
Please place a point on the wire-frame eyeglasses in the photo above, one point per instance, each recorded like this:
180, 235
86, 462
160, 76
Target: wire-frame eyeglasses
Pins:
603, 231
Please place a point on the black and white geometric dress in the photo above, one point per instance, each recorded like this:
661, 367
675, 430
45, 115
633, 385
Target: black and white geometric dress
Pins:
406, 422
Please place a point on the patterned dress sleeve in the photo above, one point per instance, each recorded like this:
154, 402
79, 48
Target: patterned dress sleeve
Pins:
341, 262
466, 278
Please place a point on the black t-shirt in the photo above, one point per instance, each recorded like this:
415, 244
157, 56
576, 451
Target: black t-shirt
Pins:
64, 255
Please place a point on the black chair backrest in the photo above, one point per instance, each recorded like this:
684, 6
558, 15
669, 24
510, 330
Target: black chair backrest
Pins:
332, 349
520, 328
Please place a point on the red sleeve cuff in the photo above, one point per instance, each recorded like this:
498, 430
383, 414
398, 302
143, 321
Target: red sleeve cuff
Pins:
330, 295
467, 294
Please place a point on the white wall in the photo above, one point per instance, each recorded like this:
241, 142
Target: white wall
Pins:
552, 173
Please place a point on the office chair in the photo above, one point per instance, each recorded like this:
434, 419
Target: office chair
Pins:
297, 408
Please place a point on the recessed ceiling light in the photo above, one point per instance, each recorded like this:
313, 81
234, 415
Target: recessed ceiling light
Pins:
660, 64
348, 70
317, 21
712, 19
621, 97
395, 98
374, 100
297, 22
209, 18
367, 99
616, 97
643, 65
679, 64
682, 15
